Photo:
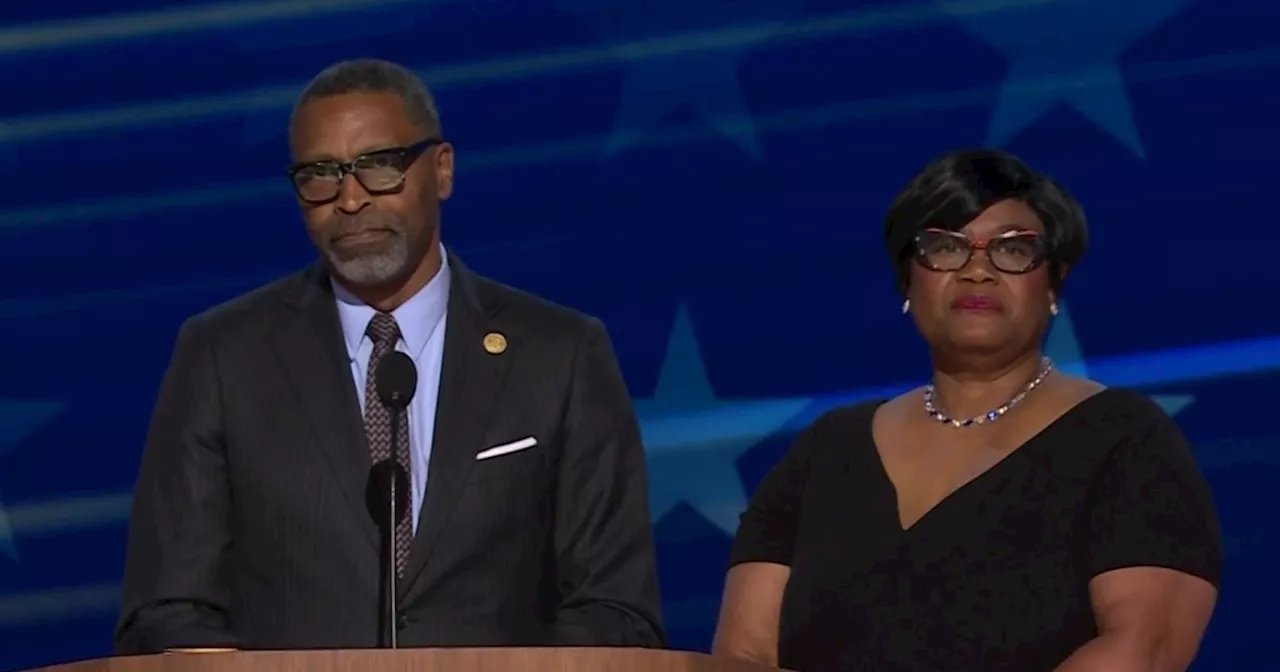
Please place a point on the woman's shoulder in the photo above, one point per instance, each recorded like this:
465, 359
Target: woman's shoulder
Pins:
852, 422
842, 425
1121, 411
1117, 423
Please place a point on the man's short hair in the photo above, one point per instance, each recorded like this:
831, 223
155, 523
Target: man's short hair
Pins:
371, 75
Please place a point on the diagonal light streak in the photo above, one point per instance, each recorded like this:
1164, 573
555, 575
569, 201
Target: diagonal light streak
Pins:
43, 606
521, 66
186, 17
588, 147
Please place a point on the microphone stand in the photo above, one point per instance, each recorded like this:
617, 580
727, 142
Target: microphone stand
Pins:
397, 378
393, 609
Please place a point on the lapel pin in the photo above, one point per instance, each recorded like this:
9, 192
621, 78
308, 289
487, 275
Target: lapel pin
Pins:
495, 343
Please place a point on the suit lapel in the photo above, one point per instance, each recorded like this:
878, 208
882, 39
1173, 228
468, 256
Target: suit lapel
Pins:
470, 379
310, 347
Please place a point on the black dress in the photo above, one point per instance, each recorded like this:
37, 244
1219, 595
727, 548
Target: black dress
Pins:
996, 576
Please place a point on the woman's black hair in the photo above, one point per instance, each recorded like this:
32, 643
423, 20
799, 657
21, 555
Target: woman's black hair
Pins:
954, 189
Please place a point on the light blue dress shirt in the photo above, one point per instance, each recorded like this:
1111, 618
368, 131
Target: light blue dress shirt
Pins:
421, 321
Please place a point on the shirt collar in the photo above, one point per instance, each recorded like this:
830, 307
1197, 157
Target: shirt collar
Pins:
417, 317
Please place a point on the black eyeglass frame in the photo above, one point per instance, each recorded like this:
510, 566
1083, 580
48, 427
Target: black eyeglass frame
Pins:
405, 155
1041, 251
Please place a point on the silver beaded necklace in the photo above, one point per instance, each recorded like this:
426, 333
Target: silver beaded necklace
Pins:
1046, 365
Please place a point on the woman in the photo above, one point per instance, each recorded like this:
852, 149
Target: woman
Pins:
1006, 516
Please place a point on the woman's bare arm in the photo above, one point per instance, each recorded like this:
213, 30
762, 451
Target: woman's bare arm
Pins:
749, 613
1151, 619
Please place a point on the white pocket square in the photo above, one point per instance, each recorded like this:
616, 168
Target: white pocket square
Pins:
503, 449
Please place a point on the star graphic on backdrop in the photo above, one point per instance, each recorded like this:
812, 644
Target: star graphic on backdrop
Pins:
1063, 346
18, 419
1066, 52
693, 439
681, 54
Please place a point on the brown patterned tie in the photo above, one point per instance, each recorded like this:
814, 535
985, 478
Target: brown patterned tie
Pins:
384, 332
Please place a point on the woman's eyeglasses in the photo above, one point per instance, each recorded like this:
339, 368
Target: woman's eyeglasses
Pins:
948, 251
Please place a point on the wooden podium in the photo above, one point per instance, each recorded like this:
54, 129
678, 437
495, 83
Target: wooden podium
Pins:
420, 660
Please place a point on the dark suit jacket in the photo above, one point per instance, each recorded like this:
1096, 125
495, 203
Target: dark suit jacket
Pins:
250, 527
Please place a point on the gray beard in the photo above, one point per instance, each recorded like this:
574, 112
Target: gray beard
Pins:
370, 270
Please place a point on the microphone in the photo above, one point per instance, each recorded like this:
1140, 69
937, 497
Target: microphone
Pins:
377, 492
397, 380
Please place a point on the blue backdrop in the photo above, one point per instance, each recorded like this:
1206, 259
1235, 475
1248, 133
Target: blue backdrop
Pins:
708, 176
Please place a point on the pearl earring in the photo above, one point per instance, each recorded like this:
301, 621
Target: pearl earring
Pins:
1053, 308
906, 306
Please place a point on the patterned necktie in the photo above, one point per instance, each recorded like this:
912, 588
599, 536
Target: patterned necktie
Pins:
384, 332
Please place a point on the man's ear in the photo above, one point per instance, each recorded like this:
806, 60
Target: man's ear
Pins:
444, 171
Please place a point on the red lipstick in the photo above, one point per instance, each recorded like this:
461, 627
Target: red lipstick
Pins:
977, 302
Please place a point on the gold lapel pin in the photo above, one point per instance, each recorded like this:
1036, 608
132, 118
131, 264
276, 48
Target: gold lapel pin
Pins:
495, 343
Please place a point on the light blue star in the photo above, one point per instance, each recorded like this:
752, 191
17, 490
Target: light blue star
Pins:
1065, 51
709, 85
693, 439
18, 419
682, 54
1063, 346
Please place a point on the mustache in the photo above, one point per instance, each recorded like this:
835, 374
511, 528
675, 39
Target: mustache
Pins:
345, 225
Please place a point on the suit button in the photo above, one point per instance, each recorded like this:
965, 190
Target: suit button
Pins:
402, 622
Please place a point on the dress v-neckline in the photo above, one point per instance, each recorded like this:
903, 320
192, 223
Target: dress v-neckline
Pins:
973, 483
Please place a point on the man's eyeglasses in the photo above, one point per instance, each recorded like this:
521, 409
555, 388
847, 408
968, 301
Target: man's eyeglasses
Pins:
946, 251
379, 172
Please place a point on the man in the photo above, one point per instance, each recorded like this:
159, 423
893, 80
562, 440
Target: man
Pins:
528, 522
